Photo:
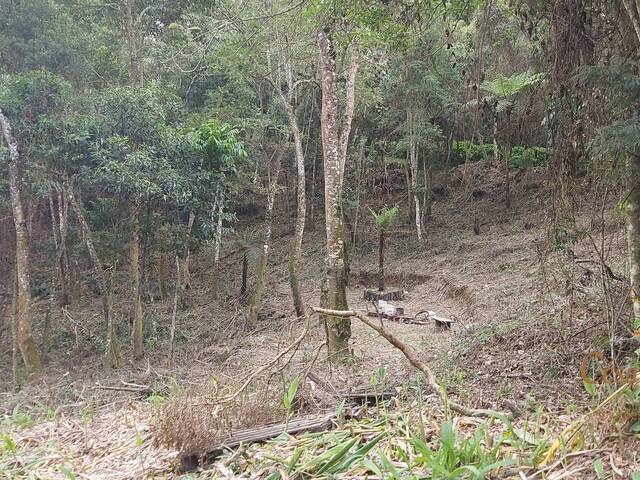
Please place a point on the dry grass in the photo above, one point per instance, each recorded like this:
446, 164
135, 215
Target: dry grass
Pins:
517, 337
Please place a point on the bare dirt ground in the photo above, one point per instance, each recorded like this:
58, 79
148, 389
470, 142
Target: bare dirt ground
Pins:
519, 334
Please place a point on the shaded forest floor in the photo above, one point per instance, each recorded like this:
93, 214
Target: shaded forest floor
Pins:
525, 316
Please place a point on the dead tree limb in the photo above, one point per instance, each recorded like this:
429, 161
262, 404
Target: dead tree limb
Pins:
413, 358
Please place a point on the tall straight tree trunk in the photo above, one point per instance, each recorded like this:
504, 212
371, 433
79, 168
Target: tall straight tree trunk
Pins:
261, 274
15, 350
60, 271
335, 150
413, 161
296, 243
633, 233
219, 207
162, 267
132, 42
113, 357
27, 345
134, 262
381, 262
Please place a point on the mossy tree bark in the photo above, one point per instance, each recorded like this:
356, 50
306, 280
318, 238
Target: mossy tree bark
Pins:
27, 345
261, 273
335, 152
113, 357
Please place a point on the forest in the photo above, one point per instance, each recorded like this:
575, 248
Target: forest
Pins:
320, 239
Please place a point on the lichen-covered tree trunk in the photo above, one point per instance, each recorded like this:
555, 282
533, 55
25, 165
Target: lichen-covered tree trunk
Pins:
413, 160
219, 204
334, 152
633, 233
261, 273
113, 357
134, 262
27, 345
296, 243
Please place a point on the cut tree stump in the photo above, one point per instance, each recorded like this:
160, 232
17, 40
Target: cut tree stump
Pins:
309, 423
372, 295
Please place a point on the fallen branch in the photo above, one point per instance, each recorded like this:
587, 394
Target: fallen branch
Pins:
413, 358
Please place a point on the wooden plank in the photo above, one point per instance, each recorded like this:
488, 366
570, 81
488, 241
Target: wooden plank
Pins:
310, 423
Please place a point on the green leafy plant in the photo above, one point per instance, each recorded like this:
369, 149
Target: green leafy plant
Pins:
289, 396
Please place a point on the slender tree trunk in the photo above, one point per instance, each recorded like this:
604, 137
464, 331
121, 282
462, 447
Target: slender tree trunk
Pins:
113, 354
27, 345
312, 213
186, 273
359, 188
162, 272
245, 268
220, 210
62, 281
413, 157
174, 315
15, 349
633, 233
63, 258
334, 150
381, 262
296, 243
134, 261
261, 274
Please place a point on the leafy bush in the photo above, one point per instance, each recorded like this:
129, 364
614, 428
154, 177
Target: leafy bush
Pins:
475, 151
521, 157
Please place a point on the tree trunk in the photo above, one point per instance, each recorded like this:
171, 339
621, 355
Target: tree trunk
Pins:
245, 268
381, 262
220, 207
113, 355
296, 243
633, 234
132, 42
15, 350
413, 160
174, 315
162, 272
334, 150
27, 345
134, 261
261, 274
62, 281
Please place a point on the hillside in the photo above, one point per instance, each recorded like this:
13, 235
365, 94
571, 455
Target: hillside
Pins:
524, 318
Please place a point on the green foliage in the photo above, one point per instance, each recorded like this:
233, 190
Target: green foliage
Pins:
464, 149
459, 457
521, 157
219, 142
385, 217
503, 87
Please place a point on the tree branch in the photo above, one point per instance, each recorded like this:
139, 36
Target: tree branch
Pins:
413, 358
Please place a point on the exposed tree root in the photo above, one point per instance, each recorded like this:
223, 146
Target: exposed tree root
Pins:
413, 358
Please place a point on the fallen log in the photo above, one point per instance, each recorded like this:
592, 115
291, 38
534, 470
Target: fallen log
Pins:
310, 423
370, 394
